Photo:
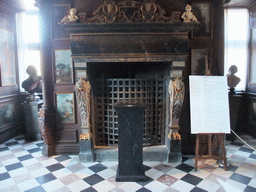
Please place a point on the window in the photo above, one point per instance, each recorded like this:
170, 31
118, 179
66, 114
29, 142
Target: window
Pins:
236, 43
28, 40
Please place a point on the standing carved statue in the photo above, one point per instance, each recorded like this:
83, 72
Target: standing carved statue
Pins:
72, 17
176, 91
188, 16
83, 89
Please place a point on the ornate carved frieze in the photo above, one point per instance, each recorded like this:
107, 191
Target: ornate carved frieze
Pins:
131, 11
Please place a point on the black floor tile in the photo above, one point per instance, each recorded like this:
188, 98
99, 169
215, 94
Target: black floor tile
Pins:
191, 179
55, 167
13, 166
34, 150
36, 189
232, 168
4, 149
246, 150
40, 144
97, 168
146, 168
4, 176
93, 179
45, 178
197, 189
62, 158
249, 189
240, 178
143, 190
148, 180
236, 143
90, 189
12, 143
252, 156
185, 167
25, 157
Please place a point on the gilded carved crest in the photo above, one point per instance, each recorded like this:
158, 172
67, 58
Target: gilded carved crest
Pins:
131, 11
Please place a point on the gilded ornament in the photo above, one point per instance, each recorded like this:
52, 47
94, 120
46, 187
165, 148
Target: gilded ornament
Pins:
85, 136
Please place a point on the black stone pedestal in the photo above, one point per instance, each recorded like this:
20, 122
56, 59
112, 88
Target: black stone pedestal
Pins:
175, 155
32, 126
86, 154
130, 143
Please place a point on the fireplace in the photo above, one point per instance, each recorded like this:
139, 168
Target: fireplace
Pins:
134, 83
129, 58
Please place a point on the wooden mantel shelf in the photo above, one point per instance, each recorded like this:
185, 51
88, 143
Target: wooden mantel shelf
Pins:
179, 28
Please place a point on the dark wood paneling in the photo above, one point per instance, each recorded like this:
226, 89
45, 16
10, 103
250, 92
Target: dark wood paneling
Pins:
11, 113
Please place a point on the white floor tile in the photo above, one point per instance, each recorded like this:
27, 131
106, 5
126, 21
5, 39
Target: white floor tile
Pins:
78, 186
28, 184
104, 186
53, 185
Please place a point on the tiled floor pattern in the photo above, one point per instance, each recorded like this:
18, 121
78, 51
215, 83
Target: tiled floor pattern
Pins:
24, 168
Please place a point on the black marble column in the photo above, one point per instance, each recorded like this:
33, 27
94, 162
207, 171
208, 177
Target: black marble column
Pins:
130, 143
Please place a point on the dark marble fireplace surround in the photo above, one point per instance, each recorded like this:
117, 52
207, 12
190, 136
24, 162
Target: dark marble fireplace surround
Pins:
134, 43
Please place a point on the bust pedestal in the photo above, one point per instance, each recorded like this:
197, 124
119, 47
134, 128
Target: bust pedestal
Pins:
130, 143
32, 126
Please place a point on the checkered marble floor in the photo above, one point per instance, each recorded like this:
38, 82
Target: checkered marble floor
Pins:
24, 168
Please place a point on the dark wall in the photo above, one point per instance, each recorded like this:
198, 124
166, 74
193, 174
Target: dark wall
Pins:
11, 119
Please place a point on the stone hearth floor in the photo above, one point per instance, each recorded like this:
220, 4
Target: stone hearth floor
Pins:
24, 168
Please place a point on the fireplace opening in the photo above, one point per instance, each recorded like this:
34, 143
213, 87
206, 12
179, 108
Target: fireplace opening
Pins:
143, 83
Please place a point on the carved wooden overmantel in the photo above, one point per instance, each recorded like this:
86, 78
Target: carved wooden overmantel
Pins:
132, 31
129, 31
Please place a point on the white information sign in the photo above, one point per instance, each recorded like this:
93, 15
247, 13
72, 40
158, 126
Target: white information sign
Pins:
209, 104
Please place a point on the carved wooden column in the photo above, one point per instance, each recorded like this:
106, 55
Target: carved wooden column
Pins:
83, 90
47, 112
176, 92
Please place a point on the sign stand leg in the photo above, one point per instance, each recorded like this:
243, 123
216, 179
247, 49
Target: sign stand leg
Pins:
210, 149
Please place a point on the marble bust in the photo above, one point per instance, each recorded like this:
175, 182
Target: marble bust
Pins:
233, 80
